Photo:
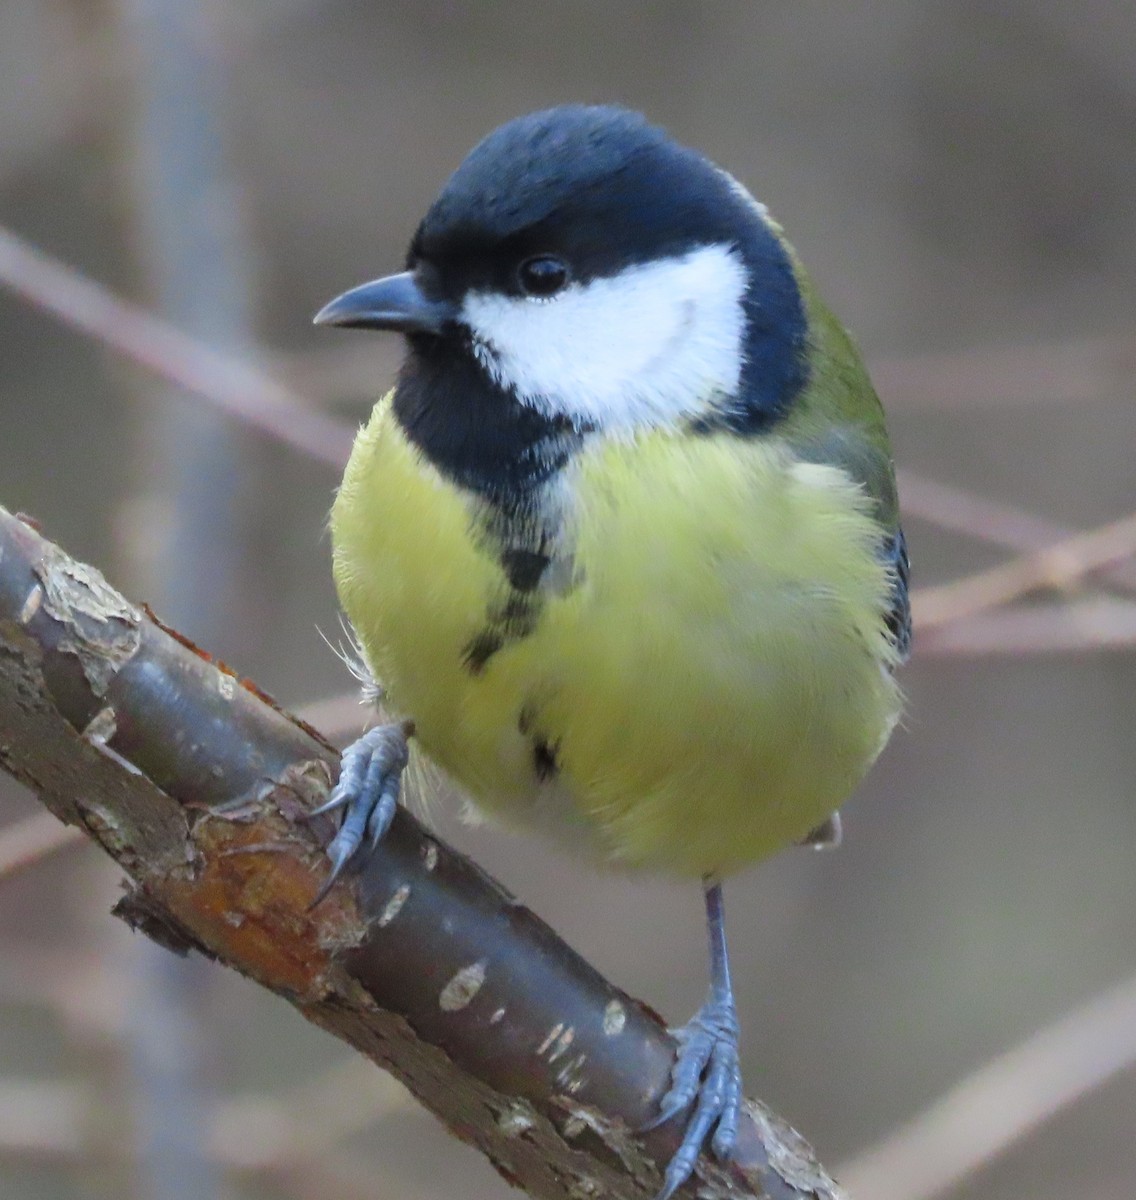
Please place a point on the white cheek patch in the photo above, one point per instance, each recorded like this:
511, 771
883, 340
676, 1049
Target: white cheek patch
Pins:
653, 345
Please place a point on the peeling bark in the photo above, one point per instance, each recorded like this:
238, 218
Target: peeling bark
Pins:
196, 783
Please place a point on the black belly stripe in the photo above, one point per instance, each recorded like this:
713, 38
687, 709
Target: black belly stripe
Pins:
480, 649
544, 761
523, 568
545, 764
515, 616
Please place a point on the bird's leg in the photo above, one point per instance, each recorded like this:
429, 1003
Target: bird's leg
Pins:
370, 775
707, 1072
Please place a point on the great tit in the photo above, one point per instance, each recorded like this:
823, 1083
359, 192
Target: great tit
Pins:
622, 546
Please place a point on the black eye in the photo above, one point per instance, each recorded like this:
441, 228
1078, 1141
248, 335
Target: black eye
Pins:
542, 275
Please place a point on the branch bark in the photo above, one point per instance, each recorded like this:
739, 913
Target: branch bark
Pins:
197, 785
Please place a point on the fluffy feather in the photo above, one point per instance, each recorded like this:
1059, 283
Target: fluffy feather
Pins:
713, 683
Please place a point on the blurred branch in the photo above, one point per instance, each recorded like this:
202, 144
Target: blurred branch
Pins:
308, 1122
28, 842
237, 389
1002, 1102
249, 395
247, 1133
1057, 567
347, 371
198, 786
205, 474
65, 979
1079, 370
295, 1141
965, 512
1079, 626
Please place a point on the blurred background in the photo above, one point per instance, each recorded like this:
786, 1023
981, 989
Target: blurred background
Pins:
945, 1007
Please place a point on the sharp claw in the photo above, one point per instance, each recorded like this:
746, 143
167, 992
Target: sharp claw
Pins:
695, 1047
340, 856
672, 1181
678, 1171
667, 1113
677, 1100
380, 819
334, 801
368, 789
705, 1074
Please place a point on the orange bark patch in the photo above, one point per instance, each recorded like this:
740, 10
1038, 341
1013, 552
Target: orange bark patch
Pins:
246, 900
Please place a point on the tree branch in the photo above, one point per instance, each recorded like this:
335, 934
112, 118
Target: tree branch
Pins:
197, 785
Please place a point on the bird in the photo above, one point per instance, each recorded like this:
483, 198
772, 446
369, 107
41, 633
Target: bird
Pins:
622, 545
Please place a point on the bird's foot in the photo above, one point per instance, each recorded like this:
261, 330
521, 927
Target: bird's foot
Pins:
370, 775
707, 1073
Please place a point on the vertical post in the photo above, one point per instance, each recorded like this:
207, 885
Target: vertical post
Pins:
194, 475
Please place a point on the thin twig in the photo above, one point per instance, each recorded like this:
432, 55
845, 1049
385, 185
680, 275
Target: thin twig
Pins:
1001, 1103
249, 395
1077, 627
1057, 567
964, 512
239, 390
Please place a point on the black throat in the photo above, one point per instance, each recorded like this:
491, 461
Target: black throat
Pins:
483, 439
474, 432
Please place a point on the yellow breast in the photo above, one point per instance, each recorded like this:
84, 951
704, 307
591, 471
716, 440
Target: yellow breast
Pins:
706, 683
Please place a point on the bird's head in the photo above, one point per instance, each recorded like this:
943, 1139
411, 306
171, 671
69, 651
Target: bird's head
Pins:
598, 274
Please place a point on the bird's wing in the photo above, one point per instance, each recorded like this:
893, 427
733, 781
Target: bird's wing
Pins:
899, 615
863, 453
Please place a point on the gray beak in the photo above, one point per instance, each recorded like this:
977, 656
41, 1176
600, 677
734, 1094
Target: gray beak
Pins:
395, 302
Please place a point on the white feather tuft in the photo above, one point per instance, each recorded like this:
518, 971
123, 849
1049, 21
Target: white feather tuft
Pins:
354, 658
